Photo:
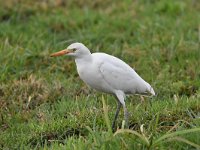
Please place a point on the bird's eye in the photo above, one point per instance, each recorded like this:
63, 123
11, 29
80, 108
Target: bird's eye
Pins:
74, 49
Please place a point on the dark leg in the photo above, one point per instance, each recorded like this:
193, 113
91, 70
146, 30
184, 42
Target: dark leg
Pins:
121, 97
116, 114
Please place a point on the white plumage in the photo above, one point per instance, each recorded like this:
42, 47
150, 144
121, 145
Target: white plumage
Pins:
108, 74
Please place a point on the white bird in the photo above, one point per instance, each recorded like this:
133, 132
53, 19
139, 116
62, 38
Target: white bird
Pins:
107, 74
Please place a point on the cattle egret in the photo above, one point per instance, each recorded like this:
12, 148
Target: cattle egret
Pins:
107, 74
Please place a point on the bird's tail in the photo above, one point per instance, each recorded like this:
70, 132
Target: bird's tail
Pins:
150, 89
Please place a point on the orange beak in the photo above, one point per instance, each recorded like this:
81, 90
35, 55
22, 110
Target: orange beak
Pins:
60, 53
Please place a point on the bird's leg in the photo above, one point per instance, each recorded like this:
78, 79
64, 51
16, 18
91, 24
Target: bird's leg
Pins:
121, 96
116, 114
126, 116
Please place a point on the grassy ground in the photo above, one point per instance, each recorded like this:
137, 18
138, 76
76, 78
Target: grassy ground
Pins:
44, 104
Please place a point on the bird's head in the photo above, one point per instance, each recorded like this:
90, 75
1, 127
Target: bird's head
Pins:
75, 49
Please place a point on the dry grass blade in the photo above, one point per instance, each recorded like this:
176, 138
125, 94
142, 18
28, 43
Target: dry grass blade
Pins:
143, 138
105, 109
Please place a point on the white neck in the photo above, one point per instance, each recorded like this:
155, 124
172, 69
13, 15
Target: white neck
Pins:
87, 59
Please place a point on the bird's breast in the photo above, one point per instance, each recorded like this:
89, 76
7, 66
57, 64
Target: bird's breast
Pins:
92, 77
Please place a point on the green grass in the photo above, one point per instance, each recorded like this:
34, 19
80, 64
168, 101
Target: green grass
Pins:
44, 104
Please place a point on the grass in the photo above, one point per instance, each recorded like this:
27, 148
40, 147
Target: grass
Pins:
44, 104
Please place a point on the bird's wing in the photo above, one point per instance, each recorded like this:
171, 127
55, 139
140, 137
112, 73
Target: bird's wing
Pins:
119, 76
